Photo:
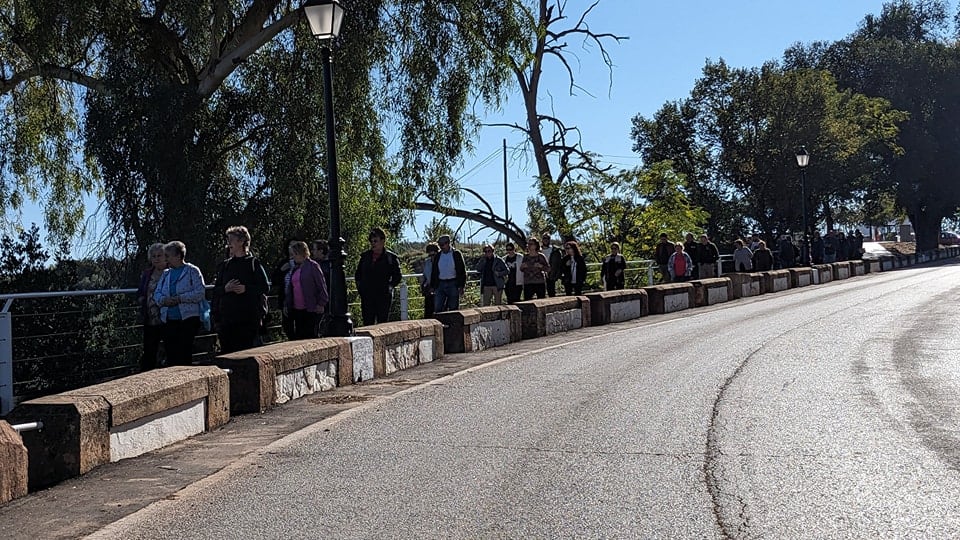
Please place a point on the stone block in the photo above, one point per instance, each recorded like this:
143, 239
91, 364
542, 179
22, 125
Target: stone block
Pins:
254, 372
546, 316
887, 264
75, 437
745, 284
841, 270
857, 268
824, 273
801, 277
617, 306
670, 297
480, 328
711, 291
776, 281
403, 344
13, 464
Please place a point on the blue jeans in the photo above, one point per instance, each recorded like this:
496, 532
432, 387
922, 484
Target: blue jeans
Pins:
447, 296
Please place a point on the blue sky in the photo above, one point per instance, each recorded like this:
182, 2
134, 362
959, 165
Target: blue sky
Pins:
668, 45
666, 50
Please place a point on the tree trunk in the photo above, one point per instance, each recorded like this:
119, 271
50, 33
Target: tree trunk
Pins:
926, 228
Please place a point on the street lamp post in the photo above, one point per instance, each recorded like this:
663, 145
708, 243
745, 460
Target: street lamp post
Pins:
325, 17
803, 159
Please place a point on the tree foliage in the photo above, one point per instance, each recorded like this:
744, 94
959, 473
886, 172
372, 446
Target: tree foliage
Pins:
187, 117
736, 137
908, 56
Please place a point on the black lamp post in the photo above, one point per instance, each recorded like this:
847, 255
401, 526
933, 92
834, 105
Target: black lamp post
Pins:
325, 17
803, 159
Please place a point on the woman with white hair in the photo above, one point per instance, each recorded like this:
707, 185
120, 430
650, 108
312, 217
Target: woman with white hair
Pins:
149, 310
179, 294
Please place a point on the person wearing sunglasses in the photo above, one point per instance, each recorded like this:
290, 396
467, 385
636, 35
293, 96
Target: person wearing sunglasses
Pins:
378, 273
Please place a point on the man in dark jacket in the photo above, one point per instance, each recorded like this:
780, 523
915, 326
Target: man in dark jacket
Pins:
690, 247
662, 255
707, 257
239, 295
554, 256
378, 272
448, 277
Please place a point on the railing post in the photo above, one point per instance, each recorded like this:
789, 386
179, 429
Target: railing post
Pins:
404, 301
6, 362
650, 274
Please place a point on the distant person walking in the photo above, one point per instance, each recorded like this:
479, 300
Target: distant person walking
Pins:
378, 273
691, 248
179, 293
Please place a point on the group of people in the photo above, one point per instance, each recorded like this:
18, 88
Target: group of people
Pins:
513, 277
174, 306
683, 261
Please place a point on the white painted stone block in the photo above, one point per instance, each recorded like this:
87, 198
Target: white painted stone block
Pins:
626, 311
858, 270
750, 288
156, 431
716, 295
490, 334
425, 350
362, 348
843, 272
305, 381
887, 265
781, 284
676, 302
803, 280
563, 321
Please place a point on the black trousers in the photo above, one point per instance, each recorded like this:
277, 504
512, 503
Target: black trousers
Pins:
238, 335
178, 337
375, 308
514, 293
571, 289
152, 335
551, 288
531, 290
304, 323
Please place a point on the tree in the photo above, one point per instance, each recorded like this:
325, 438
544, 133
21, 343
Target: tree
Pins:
907, 56
563, 163
738, 133
188, 117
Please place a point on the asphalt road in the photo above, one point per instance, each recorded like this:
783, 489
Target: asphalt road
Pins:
825, 412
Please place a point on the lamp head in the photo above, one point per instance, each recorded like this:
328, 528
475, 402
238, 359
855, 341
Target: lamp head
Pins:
324, 17
803, 158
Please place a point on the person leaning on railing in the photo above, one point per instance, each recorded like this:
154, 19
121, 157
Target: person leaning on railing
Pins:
179, 293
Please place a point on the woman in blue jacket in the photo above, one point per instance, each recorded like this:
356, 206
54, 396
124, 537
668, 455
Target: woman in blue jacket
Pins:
306, 292
179, 294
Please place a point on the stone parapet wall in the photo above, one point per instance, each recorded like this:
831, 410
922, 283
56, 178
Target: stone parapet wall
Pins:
403, 344
480, 328
617, 306
546, 316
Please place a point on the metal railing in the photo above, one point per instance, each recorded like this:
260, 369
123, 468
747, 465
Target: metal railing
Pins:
52, 332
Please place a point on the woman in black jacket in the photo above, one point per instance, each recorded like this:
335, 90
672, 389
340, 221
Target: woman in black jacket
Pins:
573, 269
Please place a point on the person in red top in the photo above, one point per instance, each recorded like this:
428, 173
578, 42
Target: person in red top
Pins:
680, 265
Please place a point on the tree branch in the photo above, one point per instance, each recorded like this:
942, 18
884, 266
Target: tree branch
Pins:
53, 72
